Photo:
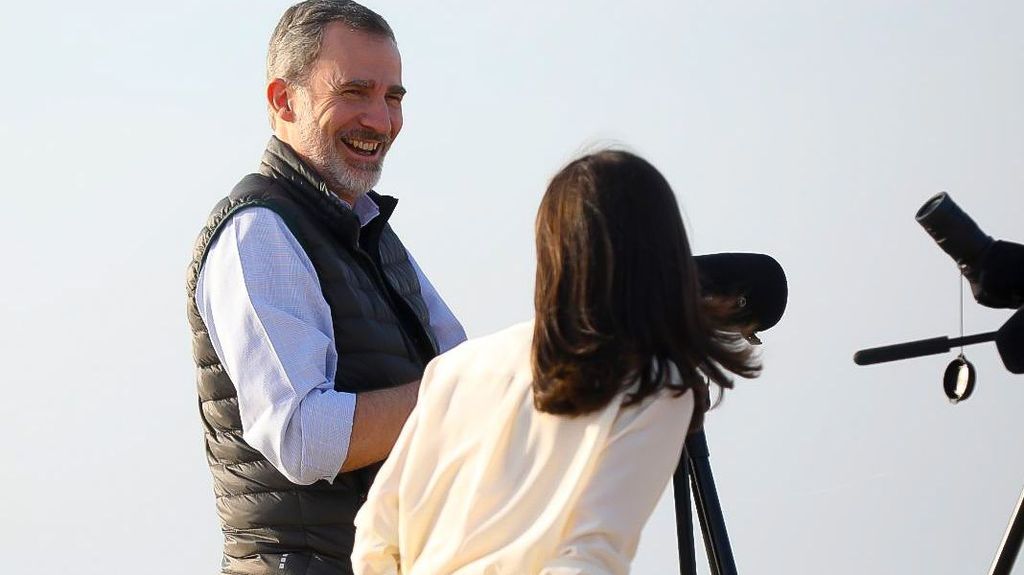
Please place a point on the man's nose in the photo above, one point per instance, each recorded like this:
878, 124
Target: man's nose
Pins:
377, 117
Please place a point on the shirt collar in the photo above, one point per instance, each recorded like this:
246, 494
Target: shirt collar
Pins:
365, 209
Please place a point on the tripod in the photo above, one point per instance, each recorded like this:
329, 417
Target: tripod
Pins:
695, 467
694, 472
1010, 546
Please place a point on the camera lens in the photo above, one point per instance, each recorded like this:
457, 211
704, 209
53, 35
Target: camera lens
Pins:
930, 206
954, 231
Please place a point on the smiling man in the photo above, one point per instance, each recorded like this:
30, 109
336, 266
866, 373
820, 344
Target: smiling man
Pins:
311, 322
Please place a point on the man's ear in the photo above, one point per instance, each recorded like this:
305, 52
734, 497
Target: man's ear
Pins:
279, 98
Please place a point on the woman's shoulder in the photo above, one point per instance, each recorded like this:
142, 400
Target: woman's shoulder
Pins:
506, 342
503, 352
663, 403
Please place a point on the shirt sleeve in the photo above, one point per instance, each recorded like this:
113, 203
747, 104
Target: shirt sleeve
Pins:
635, 467
260, 298
447, 330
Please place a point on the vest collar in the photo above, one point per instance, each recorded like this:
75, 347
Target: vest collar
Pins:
281, 162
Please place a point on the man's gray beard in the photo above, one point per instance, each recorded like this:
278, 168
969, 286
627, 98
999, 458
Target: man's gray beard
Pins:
342, 179
345, 180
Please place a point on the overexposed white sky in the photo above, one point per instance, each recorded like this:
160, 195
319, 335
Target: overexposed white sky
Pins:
810, 130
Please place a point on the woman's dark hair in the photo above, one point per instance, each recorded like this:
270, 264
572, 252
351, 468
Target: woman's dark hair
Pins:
617, 296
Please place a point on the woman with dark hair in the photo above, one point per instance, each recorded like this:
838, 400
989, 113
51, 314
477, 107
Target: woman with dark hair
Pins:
544, 448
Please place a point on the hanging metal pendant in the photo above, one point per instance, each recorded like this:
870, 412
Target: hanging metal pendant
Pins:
958, 381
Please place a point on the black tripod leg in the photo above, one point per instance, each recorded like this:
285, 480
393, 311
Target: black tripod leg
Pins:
684, 517
709, 509
1008, 550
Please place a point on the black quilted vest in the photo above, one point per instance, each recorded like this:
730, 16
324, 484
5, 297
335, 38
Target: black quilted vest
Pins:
381, 331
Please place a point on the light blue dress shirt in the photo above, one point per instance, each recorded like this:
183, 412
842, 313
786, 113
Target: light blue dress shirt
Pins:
271, 327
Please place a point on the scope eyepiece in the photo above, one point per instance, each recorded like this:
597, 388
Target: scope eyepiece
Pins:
954, 231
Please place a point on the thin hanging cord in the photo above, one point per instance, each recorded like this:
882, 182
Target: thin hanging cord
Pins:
962, 280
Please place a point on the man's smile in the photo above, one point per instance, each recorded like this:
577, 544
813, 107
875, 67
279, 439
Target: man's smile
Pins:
365, 148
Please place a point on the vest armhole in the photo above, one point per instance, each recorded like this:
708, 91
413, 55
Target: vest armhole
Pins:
250, 192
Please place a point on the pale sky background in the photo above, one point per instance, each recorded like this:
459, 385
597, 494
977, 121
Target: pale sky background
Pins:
809, 130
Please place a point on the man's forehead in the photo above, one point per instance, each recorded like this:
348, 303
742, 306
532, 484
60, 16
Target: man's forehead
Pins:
340, 41
347, 54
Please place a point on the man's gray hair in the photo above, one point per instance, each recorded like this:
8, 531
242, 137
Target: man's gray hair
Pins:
297, 40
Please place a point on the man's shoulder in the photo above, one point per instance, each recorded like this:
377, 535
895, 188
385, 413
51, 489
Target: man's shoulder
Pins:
253, 204
252, 191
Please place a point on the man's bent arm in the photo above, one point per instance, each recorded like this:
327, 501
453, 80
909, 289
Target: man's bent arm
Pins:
378, 420
283, 364
380, 415
260, 299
